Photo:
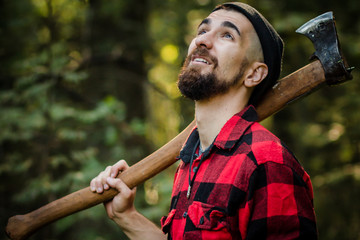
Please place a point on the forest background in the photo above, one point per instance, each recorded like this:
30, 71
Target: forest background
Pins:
84, 83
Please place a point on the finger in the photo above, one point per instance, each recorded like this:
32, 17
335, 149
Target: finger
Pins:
99, 184
99, 187
118, 167
95, 184
92, 185
105, 175
120, 186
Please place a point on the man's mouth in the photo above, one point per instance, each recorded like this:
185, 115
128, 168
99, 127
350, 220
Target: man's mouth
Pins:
200, 56
200, 60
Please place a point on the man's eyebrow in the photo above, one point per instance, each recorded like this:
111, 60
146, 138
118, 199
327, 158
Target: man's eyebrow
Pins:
205, 21
230, 25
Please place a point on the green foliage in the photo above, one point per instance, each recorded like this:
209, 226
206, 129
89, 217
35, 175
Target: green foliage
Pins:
50, 144
86, 83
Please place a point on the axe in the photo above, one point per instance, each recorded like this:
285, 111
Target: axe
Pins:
328, 67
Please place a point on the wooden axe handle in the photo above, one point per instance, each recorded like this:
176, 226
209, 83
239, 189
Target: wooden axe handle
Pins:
288, 89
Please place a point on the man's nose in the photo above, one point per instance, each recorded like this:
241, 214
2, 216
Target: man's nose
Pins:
204, 40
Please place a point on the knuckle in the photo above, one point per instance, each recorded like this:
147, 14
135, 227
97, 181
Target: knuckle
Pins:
122, 162
95, 180
92, 182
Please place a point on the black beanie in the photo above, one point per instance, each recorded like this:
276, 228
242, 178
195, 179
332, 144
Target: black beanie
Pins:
271, 43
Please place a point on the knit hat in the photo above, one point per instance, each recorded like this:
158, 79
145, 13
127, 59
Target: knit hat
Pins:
271, 43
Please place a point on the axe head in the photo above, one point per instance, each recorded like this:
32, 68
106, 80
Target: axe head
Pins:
322, 32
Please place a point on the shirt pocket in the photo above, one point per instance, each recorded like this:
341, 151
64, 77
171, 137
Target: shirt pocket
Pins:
208, 217
167, 220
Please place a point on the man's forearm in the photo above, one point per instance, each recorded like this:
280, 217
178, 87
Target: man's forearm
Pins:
136, 226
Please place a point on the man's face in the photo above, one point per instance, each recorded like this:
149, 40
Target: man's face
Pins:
216, 57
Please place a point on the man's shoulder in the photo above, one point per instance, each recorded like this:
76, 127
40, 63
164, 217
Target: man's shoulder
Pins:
267, 147
261, 136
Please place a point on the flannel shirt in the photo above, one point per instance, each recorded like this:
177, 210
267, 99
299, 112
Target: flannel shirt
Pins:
249, 186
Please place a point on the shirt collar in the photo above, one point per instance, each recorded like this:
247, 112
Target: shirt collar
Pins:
230, 133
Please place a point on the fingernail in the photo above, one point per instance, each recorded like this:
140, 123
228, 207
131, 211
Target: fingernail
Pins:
106, 186
99, 190
92, 189
113, 175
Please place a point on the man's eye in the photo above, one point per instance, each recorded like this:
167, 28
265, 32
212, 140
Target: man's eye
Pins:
229, 36
201, 32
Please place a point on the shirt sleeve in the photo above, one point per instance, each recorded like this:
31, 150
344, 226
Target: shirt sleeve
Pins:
281, 202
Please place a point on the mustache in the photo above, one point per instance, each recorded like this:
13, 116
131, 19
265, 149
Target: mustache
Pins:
202, 52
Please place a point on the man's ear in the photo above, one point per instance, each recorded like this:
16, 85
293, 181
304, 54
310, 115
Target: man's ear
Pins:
255, 74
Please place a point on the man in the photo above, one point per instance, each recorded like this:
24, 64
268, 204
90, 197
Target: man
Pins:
235, 179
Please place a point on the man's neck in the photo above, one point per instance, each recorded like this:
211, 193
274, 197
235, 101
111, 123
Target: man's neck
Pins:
212, 114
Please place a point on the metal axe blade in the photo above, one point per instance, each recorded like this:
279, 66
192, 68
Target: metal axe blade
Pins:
322, 33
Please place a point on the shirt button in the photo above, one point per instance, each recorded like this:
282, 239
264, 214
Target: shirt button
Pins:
195, 169
185, 215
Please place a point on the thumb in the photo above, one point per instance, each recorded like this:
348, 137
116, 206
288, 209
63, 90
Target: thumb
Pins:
121, 187
114, 183
118, 184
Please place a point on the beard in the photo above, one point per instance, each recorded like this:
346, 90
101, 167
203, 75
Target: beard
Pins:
196, 86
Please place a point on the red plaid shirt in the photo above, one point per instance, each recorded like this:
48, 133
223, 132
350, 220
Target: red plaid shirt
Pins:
249, 186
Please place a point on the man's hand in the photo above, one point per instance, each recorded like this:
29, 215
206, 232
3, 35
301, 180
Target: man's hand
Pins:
124, 201
121, 208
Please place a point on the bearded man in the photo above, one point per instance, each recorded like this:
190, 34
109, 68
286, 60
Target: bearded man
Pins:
235, 179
